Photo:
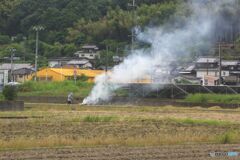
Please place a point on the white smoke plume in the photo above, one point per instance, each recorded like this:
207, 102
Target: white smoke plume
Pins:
168, 43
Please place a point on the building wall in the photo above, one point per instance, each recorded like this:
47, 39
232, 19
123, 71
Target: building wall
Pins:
200, 74
225, 73
53, 63
21, 78
49, 75
89, 55
3, 77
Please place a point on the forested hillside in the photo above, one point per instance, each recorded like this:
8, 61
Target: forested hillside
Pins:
69, 24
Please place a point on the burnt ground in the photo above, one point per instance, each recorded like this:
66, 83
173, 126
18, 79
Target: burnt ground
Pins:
178, 152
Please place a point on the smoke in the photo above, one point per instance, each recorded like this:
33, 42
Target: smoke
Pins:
169, 43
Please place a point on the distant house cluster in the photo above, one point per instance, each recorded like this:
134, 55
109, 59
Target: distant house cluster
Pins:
209, 71
205, 70
82, 59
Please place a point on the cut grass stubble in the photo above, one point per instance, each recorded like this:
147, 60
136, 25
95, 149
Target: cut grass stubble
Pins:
143, 128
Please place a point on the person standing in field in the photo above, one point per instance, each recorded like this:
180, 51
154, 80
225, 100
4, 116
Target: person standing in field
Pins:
70, 98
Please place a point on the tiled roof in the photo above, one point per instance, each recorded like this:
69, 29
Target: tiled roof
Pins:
78, 62
230, 63
90, 47
207, 60
7, 66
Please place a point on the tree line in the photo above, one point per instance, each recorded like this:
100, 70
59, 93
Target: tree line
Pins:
69, 24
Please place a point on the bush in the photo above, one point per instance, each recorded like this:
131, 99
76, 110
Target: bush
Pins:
10, 92
4, 39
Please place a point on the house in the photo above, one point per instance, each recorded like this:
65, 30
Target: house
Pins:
58, 62
22, 74
118, 59
26, 70
230, 70
210, 80
61, 74
90, 52
207, 69
207, 66
80, 63
188, 70
188, 74
67, 62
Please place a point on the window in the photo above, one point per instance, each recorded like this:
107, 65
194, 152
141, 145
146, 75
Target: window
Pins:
91, 55
224, 73
82, 55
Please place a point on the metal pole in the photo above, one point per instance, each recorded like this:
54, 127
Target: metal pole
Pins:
36, 54
12, 50
133, 5
133, 32
37, 29
12, 66
207, 67
220, 64
106, 60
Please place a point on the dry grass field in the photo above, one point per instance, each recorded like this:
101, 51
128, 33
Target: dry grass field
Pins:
45, 131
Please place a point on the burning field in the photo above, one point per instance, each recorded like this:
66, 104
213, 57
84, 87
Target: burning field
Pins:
117, 132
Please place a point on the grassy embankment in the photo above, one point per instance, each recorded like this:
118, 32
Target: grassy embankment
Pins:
32, 88
57, 126
82, 89
214, 98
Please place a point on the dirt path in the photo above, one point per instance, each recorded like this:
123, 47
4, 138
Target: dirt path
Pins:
180, 152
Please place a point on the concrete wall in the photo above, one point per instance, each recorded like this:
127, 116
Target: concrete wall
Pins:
60, 100
11, 105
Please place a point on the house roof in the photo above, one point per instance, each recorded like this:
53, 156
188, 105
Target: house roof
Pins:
7, 66
207, 60
61, 59
90, 47
78, 62
230, 63
70, 72
190, 68
23, 71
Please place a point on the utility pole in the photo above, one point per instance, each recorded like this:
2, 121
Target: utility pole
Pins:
12, 51
220, 64
37, 29
207, 67
133, 6
106, 59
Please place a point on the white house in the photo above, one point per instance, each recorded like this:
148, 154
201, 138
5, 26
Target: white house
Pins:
80, 63
207, 66
90, 52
